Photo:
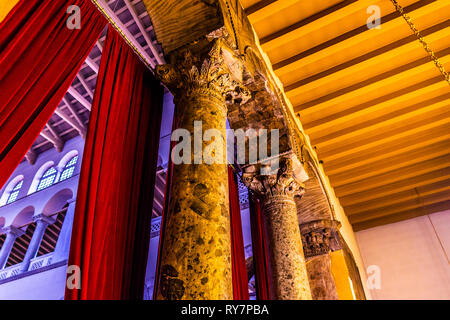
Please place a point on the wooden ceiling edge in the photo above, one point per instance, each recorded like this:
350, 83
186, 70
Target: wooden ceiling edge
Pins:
401, 216
346, 35
405, 159
258, 6
420, 200
420, 67
397, 198
398, 175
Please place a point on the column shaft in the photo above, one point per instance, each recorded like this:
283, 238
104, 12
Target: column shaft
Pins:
6, 249
288, 270
289, 280
41, 224
196, 257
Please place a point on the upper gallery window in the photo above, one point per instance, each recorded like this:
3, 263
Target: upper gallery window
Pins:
69, 168
14, 192
47, 179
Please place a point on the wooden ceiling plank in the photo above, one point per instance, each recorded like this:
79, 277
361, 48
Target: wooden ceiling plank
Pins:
307, 21
343, 61
390, 164
393, 178
360, 41
408, 214
372, 88
382, 65
375, 109
403, 119
419, 202
399, 197
258, 6
440, 123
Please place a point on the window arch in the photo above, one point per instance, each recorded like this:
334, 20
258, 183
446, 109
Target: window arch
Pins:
12, 190
69, 168
47, 179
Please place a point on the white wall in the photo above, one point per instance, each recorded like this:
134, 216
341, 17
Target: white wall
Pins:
412, 257
47, 285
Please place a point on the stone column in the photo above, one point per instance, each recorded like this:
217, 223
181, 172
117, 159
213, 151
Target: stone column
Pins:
320, 238
12, 233
42, 221
289, 280
196, 257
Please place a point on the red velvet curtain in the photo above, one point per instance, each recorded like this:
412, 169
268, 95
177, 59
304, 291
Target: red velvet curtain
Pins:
39, 59
111, 231
238, 264
259, 244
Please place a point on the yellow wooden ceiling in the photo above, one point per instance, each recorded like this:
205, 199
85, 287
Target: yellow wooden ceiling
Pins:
374, 105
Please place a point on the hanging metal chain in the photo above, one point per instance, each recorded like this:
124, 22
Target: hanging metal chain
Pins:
425, 45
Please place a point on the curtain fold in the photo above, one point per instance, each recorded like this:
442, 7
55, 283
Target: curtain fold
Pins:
111, 230
259, 244
39, 59
238, 264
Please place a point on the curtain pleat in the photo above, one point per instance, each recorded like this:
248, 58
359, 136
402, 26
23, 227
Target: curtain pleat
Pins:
39, 59
238, 264
111, 230
259, 244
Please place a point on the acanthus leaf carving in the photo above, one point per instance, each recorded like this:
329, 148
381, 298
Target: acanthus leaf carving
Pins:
193, 75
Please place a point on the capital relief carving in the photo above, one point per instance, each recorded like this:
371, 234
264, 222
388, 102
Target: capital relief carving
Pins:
280, 183
320, 237
213, 74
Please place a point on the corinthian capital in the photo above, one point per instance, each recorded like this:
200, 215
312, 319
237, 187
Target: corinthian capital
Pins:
286, 181
218, 73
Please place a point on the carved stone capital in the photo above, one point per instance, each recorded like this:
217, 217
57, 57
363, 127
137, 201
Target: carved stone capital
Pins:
44, 219
217, 73
16, 232
320, 237
285, 181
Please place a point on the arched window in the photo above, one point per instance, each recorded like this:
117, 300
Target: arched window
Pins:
47, 179
69, 168
14, 193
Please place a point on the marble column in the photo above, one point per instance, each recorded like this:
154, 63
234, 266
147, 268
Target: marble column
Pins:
320, 238
196, 256
42, 222
289, 280
12, 233
327, 269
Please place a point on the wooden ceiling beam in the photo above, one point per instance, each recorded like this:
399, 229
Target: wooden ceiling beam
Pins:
365, 132
398, 197
392, 163
376, 109
438, 123
395, 187
77, 96
371, 88
355, 36
371, 69
394, 176
419, 202
132, 10
258, 6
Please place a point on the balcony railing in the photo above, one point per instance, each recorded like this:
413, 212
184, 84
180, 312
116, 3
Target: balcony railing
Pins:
36, 263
